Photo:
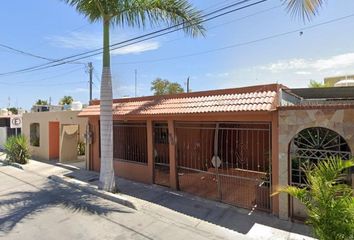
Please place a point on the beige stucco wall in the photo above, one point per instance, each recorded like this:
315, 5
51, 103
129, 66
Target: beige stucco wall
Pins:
293, 121
43, 118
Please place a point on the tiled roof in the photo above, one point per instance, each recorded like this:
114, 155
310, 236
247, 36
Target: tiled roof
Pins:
230, 100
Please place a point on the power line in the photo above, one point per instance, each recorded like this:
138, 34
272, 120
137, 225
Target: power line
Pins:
43, 79
152, 34
24, 53
232, 21
46, 85
31, 54
243, 43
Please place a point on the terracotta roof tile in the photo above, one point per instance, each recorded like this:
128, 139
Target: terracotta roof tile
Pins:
215, 102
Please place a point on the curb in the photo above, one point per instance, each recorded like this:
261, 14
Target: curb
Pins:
93, 190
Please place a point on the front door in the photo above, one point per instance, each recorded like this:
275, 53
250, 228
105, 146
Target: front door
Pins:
54, 140
161, 154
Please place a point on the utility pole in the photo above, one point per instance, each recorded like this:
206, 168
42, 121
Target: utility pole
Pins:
188, 85
136, 83
90, 69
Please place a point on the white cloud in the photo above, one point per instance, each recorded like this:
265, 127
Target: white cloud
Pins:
82, 90
137, 48
303, 73
90, 41
217, 75
304, 66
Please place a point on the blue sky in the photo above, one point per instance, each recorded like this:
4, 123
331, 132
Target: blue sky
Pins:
54, 30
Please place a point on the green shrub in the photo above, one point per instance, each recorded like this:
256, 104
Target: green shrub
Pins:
329, 201
17, 149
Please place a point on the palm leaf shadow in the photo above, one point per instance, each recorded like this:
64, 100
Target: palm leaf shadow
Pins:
23, 205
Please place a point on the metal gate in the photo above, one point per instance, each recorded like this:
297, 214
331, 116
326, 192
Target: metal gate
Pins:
226, 161
161, 154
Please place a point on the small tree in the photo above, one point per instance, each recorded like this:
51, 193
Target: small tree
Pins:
329, 201
173, 88
41, 102
13, 110
163, 87
66, 100
17, 149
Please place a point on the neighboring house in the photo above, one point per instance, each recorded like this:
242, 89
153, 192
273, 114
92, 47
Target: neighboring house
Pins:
314, 123
6, 131
334, 81
47, 108
236, 146
54, 135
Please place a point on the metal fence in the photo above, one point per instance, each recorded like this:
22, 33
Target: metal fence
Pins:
226, 161
130, 142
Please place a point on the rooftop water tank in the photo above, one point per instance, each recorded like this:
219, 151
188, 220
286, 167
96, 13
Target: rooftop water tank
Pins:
76, 106
345, 83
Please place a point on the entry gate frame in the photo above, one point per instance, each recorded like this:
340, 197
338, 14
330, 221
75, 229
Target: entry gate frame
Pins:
217, 172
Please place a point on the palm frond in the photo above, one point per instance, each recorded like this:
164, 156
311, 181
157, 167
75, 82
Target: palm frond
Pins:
171, 12
139, 13
305, 9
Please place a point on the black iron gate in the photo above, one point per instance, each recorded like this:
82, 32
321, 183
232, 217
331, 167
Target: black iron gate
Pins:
161, 154
226, 161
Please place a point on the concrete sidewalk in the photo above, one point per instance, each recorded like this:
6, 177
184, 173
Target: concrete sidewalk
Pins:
176, 206
256, 225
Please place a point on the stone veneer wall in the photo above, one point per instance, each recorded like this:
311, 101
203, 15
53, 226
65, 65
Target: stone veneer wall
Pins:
292, 122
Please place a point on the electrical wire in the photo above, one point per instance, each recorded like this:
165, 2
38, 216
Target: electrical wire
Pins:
42, 79
243, 43
143, 37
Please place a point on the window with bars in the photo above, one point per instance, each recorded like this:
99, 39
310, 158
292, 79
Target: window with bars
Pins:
130, 141
312, 145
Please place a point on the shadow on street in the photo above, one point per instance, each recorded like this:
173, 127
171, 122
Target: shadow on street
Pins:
24, 204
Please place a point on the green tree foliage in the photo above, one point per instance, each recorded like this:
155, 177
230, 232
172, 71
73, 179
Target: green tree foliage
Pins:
66, 100
13, 110
41, 102
329, 201
163, 87
17, 149
315, 84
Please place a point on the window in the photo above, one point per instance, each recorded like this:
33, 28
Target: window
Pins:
34, 134
130, 142
312, 145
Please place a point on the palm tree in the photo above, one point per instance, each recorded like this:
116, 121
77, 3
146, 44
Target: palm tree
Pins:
329, 201
132, 13
305, 9
66, 100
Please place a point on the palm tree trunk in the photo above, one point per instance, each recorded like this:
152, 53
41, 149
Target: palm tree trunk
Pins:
107, 180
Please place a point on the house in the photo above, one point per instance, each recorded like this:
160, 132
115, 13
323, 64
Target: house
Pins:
236, 146
314, 123
347, 80
47, 108
214, 144
55, 135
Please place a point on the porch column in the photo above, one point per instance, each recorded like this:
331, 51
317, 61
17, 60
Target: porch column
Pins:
150, 150
275, 163
172, 154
